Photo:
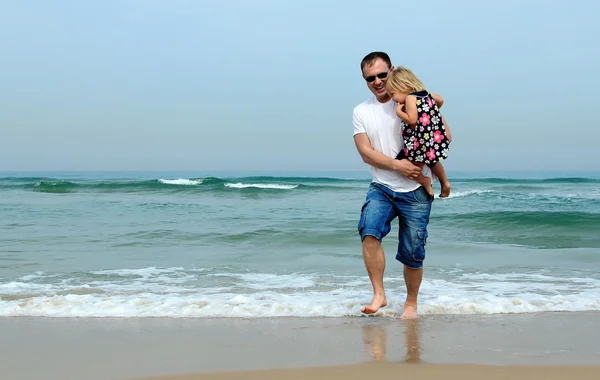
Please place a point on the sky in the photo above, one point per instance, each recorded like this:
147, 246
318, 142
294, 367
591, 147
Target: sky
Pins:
270, 85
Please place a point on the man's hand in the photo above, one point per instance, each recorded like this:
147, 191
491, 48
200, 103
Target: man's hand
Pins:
380, 160
407, 168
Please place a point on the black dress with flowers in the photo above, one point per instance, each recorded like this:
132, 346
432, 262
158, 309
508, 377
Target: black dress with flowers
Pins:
426, 141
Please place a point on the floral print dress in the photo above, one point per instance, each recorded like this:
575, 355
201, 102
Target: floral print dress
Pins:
427, 141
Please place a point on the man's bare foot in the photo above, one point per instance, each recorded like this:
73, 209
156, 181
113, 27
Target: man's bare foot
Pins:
445, 189
410, 312
378, 302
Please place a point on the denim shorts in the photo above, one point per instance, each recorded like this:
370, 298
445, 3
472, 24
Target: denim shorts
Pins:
412, 208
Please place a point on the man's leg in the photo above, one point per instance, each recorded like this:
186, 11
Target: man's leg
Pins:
412, 279
413, 214
374, 224
375, 263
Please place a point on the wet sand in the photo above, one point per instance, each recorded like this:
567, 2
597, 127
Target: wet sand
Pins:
394, 371
455, 346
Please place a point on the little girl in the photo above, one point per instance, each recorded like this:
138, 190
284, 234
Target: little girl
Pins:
425, 138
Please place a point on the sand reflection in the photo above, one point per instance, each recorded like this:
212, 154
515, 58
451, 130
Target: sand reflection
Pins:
375, 339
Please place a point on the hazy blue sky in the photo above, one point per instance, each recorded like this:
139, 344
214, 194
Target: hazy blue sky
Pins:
270, 85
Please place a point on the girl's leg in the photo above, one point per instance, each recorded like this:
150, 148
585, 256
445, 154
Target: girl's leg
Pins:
438, 170
424, 181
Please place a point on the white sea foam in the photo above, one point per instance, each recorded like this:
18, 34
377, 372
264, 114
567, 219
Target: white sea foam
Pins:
569, 196
240, 185
175, 292
459, 194
142, 272
270, 281
180, 181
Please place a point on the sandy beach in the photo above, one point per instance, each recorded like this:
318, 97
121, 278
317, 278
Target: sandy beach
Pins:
505, 346
393, 371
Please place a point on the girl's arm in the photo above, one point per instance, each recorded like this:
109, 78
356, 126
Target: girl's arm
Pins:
410, 115
438, 99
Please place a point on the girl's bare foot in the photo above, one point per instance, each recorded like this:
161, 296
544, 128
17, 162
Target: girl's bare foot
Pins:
445, 189
429, 188
426, 183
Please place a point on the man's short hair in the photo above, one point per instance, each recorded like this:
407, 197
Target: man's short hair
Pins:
370, 58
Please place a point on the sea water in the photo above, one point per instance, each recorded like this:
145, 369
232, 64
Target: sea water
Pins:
249, 246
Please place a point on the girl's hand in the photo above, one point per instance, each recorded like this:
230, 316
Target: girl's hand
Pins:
401, 108
410, 113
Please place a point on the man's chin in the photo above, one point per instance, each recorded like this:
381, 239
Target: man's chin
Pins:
382, 96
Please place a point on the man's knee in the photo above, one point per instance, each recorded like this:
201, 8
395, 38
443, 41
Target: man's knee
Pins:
375, 217
373, 225
370, 242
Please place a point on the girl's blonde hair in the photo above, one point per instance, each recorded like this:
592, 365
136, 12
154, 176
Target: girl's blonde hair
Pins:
403, 80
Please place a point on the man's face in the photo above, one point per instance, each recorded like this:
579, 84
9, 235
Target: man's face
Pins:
372, 74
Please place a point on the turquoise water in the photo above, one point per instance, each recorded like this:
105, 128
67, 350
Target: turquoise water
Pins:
199, 245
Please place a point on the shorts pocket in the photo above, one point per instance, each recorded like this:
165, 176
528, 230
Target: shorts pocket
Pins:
422, 196
362, 220
419, 243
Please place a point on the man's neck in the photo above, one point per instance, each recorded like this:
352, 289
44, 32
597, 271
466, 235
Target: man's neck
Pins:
383, 100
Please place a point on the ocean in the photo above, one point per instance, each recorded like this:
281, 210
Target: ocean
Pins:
255, 246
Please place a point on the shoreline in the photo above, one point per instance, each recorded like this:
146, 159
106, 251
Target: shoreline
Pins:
168, 348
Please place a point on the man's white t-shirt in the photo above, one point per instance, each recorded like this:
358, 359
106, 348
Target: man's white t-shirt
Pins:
384, 129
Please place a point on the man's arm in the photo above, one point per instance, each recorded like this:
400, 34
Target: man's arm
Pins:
448, 133
440, 102
438, 99
372, 157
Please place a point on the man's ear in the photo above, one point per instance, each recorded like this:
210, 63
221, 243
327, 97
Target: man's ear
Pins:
392, 68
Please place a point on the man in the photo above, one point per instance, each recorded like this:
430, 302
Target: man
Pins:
393, 191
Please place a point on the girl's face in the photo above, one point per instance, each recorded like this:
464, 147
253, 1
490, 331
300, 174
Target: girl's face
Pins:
397, 96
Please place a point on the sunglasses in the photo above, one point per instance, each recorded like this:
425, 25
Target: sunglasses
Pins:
380, 76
